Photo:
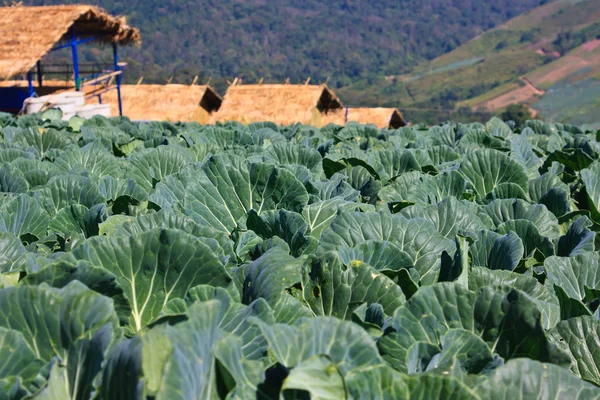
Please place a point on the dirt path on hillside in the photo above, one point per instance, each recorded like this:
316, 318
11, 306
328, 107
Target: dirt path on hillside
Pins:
531, 86
519, 95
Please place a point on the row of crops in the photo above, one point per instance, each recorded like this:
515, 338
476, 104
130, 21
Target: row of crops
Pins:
161, 261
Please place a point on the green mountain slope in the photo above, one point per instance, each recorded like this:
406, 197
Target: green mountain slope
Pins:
343, 40
519, 61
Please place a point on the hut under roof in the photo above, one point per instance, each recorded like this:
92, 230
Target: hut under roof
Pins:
176, 103
28, 33
379, 116
282, 104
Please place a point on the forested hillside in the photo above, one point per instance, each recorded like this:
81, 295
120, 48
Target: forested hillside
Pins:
343, 40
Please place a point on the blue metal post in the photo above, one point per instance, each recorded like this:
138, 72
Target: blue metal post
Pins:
346, 116
30, 80
75, 58
117, 68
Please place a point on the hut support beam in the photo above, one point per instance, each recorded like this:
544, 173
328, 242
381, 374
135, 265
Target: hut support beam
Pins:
78, 42
117, 69
38, 66
75, 59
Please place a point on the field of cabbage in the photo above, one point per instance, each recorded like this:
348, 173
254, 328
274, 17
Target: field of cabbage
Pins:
161, 261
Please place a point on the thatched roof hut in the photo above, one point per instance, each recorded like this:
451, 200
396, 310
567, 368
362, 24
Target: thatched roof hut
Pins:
283, 104
379, 116
29, 33
177, 103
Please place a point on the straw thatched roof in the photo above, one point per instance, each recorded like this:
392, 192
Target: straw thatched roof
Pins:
380, 117
28, 33
177, 103
282, 104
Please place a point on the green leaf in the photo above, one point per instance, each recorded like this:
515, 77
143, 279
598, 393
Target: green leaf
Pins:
575, 159
522, 152
12, 180
289, 154
383, 382
529, 379
591, 179
317, 376
122, 374
456, 269
60, 274
77, 219
110, 226
530, 236
65, 190
150, 166
287, 225
545, 300
200, 348
74, 324
18, 360
168, 219
504, 210
580, 338
11, 253
497, 127
495, 251
550, 191
486, 169
578, 240
44, 143
92, 158
336, 186
416, 187
423, 386
228, 188
363, 180
578, 276
24, 216
319, 215
115, 189
347, 345
506, 319
507, 190
450, 217
390, 164
331, 289
381, 255
416, 237
270, 277
472, 353
156, 349
56, 387
153, 267
569, 307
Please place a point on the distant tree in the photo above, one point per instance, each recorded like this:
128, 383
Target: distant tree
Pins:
519, 113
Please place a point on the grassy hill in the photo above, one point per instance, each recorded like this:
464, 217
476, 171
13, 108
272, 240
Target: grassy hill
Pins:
519, 61
341, 40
